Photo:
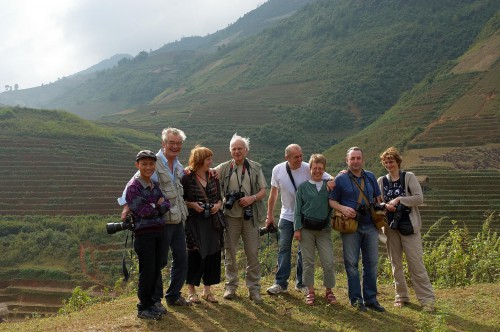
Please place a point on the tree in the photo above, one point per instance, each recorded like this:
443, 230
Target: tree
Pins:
16, 87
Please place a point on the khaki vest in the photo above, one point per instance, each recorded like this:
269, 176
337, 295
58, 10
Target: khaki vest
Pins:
258, 208
174, 192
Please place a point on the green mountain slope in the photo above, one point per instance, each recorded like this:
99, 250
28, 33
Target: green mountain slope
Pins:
317, 77
447, 128
137, 81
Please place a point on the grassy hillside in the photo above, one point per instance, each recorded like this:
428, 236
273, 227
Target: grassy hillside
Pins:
56, 163
471, 308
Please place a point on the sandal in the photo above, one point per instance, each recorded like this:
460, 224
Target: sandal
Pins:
310, 298
399, 304
330, 298
193, 298
209, 297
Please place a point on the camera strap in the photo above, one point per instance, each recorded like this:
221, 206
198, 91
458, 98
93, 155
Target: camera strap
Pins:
231, 170
361, 189
203, 190
289, 171
126, 274
389, 183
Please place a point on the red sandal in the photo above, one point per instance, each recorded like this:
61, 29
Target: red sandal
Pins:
310, 298
330, 298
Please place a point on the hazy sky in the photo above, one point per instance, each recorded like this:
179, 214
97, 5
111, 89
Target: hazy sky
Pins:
44, 40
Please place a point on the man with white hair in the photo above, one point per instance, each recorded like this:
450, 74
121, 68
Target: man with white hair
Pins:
244, 187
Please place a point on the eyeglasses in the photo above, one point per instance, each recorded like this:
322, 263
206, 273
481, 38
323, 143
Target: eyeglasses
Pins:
174, 143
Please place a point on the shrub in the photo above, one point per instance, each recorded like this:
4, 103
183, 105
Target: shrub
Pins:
79, 299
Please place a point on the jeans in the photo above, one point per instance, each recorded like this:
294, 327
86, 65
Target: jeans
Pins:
285, 255
174, 238
366, 240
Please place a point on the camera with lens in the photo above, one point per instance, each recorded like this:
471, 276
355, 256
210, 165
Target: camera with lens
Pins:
114, 227
268, 230
206, 209
398, 214
378, 206
232, 197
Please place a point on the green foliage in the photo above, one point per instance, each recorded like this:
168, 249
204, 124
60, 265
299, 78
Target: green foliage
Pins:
457, 258
55, 242
79, 299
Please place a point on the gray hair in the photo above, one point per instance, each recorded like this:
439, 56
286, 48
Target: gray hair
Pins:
237, 137
291, 147
175, 131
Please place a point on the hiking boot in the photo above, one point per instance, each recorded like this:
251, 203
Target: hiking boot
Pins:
160, 308
276, 289
149, 313
375, 306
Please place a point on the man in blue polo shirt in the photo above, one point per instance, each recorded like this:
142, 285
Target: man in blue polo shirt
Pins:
347, 199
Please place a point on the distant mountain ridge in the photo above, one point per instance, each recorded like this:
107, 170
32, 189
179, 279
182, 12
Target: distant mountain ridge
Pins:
57, 94
104, 64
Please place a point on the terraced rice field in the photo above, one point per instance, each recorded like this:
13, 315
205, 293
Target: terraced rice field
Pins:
465, 196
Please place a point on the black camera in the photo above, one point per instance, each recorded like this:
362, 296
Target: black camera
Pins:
265, 230
206, 209
232, 197
378, 206
398, 214
114, 227
247, 213
361, 211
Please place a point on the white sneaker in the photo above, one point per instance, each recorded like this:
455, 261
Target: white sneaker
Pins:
304, 290
276, 289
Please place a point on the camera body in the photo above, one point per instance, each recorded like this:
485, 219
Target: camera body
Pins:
206, 209
232, 197
114, 227
398, 214
268, 230
360, 212
247, 213
378, 206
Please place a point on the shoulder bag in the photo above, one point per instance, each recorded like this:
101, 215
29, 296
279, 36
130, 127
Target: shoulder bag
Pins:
343, 224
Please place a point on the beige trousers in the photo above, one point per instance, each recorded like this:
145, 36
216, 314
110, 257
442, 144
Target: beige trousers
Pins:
322, 240
411, 245
236, 228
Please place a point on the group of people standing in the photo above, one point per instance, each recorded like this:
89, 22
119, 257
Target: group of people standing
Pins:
180, 210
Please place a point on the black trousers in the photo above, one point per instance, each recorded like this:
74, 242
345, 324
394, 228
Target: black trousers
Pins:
207, 268
148, 248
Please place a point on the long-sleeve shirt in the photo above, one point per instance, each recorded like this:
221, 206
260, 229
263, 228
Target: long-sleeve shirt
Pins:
309, 202
142, 198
